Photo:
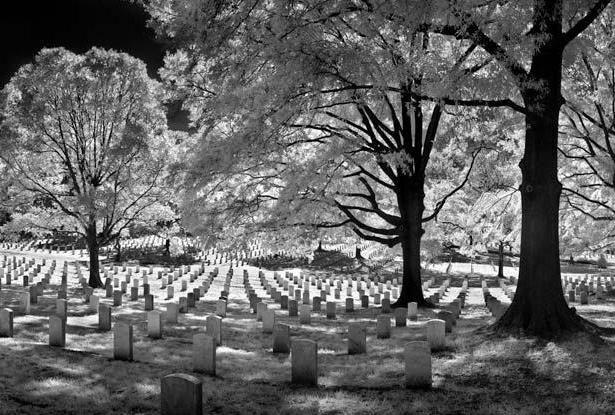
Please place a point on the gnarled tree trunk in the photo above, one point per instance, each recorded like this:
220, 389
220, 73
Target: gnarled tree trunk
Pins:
411, 206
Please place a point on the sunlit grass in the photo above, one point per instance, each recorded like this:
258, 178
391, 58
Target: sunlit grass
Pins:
473, 374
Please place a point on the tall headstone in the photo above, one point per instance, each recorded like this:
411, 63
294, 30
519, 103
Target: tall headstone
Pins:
400, 316
104, 317
349, 304
304, 362
181, 394
413, 311
260, 307
435, 333
447, 317
94, 302
417, 356
57, 331
154, 324
386, 306
316, 304
331, 308
357, 333
221, 308
183, 305
214, 327
292, 308
172, 312
383, 327
149, 302
122, 341
25, 303
281, 338
204, 353
268, 321
6, 322
117, 298
62, 309
305, 314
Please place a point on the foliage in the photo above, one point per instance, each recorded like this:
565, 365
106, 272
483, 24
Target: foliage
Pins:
84, 135
311, 114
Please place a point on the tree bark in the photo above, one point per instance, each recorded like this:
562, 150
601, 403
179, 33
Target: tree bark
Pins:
411, 206
92, 239
538, 307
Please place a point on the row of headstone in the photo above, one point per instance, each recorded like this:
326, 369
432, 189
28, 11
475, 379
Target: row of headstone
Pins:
182, 394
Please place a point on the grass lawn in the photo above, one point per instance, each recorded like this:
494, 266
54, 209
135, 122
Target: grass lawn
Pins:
474, 374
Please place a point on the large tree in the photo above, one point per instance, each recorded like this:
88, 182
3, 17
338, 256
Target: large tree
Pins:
86, 134
529, 39
336, 89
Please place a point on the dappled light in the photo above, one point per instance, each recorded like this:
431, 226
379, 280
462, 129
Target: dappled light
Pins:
308, 207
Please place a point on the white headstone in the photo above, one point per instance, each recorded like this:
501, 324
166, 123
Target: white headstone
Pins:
122, 341
417, 356
435, 333
204, 353
154, 324
304, 362
181, 394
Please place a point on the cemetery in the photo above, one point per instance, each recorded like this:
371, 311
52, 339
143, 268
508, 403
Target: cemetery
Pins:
307, 207
252, 340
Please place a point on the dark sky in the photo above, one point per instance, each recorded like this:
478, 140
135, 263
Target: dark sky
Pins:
26, 26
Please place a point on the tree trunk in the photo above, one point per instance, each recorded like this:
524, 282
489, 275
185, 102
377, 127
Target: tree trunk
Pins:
411, 209
501, 260
118, 250
357, 253
539, 307
92, 239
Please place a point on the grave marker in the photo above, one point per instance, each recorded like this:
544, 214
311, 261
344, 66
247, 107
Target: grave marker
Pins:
181, 394
214, 327
122, 341
281, 338
357, 338
400, 316
268, 321
304, 362
204, 353
172, 312
104, 317
435, 333
417, 356
57, 331
383, 327
6, 322
154, 324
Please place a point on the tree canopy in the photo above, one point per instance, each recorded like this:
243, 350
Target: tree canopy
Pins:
85, 135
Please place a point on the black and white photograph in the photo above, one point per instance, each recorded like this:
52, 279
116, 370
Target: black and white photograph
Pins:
307, 207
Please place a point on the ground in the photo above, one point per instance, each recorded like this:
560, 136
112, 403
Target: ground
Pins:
474, 374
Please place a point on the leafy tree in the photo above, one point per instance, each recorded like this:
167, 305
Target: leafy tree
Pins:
587, 146
529, 40
318, 110
86, 133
